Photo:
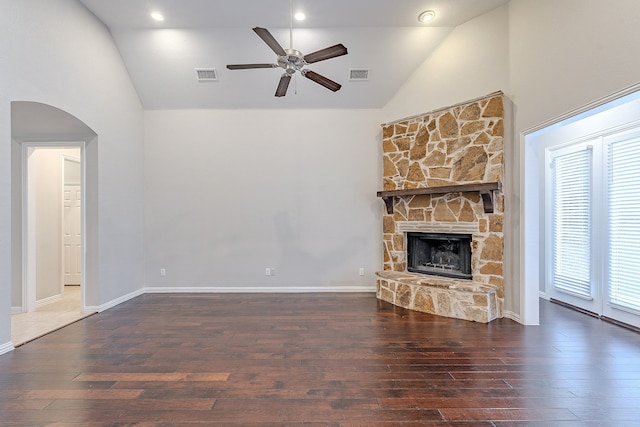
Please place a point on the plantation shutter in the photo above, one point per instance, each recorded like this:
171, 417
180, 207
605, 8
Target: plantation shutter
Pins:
624, 223
571, 211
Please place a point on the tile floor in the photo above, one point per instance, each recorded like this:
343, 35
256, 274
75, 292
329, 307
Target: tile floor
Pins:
47, 318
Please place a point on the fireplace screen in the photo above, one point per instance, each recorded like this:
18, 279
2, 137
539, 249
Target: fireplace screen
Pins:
439, 254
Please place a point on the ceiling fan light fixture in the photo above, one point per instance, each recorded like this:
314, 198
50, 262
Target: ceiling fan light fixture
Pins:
427, 16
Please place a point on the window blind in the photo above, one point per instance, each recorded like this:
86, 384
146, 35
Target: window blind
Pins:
571, 211
624, 223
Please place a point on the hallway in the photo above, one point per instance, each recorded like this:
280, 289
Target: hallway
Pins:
26, 327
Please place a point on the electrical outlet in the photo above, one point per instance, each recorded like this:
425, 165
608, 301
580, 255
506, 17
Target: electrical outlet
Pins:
163, 272
361, 272
267, 271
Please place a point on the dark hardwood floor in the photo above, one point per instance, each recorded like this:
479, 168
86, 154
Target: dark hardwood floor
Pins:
319, 360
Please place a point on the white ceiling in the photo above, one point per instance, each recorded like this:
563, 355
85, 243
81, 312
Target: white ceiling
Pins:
383, 36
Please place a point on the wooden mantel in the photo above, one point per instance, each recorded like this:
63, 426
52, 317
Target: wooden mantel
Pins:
485, 189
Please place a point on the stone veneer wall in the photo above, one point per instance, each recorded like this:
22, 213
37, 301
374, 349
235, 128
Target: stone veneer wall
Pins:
461, 144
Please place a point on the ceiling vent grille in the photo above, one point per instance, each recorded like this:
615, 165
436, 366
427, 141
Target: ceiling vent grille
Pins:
207, 74
358, 74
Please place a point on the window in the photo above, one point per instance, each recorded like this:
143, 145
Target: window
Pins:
593, 223
623, 191
571, 221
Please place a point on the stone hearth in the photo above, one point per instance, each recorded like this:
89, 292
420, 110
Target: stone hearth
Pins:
457, 145
437, 295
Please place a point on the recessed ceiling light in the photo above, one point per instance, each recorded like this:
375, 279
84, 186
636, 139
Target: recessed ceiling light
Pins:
157, 16
300, 16
426, 16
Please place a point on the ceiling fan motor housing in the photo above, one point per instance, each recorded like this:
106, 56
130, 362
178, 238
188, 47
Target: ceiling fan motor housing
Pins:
293, 61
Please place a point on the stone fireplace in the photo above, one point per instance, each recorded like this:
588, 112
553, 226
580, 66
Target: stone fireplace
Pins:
443, 177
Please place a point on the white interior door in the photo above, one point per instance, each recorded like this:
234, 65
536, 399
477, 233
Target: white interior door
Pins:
72, 238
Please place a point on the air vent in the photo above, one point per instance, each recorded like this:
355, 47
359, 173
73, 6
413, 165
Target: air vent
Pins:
207, 74
359, 74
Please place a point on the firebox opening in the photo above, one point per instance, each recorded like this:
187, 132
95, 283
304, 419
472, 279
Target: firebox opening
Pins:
439, 254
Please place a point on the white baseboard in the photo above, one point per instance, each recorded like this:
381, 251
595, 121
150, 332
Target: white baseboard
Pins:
223, 289
227, 290
512, 315
543, 295
102, 307
48, 300
16, 310
6, 347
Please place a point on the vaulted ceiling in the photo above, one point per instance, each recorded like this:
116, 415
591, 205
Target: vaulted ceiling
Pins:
382, 36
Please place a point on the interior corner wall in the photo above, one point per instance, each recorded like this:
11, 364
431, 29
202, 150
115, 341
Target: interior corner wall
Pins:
229, 193
567, 54
563, 55
470, 63
85, 76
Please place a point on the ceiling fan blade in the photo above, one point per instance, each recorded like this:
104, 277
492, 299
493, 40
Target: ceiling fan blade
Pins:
266, 36
283, 85
321, 80
249, 66
326, 53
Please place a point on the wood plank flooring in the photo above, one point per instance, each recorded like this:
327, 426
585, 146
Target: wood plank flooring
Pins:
319, 360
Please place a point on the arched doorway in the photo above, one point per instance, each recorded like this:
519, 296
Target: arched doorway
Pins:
40, 131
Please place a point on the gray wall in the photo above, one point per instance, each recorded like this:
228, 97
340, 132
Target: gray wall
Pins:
230, 193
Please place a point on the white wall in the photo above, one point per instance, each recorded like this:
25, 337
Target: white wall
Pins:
231, 192
565, 54
15, 237
48, 198
471, 62
57, 53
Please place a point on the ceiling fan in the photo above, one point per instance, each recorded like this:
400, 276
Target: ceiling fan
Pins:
292, 60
